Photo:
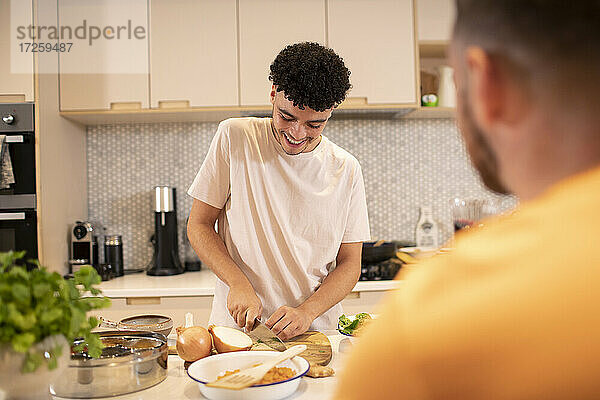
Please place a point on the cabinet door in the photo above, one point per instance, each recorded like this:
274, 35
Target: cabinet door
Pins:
435, 20
266, 27
359, 302
111, 69
193, 52
377, 41
16, 66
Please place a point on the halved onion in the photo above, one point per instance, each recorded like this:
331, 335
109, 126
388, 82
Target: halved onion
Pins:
193, 343
229, 339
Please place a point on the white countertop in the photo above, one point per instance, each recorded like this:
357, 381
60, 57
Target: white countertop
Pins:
178, 385
201, 283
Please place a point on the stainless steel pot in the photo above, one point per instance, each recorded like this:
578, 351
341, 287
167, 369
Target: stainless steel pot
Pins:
131, 361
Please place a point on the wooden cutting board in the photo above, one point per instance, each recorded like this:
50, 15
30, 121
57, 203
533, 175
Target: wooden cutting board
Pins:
318, 347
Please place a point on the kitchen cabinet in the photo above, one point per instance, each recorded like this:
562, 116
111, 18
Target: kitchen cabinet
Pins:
108, 74
193, 53
16, 67
103, 91
435, 20
377, 41
366, 301
209, 59
266, 27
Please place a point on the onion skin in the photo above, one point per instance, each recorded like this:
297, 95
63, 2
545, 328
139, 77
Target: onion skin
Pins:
193, 343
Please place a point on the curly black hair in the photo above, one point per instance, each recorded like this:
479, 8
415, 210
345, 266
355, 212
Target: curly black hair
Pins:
310, 75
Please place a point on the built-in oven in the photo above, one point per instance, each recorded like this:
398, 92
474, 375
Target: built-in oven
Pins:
18, 231
18, 219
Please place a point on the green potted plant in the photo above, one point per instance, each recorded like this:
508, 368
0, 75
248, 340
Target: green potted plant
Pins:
41, 313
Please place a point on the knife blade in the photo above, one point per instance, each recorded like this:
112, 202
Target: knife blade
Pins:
262, 334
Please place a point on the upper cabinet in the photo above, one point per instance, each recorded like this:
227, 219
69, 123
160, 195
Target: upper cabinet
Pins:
193, 53
435, 20
111, 71
377, 41
16, 63
205, 56
266, 27
103, 91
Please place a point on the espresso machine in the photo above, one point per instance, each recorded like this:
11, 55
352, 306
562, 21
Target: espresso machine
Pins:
165, 260
85, 238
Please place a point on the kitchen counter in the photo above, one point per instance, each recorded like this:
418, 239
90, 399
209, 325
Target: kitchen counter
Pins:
201, 283
178, 385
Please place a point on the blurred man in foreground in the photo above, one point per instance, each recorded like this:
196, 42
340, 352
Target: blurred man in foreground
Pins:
513, 312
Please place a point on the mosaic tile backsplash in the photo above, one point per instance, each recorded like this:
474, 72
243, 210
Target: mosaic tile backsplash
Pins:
406, 163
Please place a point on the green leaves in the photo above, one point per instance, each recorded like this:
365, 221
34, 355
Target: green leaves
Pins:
41, 290
37, 304
21, 294
9, 259
348, 326
23, 342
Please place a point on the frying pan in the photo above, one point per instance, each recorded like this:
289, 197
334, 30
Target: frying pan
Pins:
148, 323
375, 252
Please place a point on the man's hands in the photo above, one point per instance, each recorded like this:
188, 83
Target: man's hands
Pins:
244, 305
288, 322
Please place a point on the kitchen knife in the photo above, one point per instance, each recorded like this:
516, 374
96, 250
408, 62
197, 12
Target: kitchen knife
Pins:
262, 334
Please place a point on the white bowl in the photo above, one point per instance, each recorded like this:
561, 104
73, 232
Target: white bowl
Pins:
207, 369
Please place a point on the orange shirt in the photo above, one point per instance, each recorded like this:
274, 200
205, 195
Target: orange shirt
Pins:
513, 312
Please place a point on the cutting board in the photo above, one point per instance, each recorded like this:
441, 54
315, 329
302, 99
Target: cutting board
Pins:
318, 347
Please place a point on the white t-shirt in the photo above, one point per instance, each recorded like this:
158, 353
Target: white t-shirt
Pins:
283, 216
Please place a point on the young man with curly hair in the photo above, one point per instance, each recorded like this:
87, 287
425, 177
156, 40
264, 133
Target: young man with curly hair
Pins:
290, 204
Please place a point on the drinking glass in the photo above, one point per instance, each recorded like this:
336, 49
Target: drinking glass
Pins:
467, 212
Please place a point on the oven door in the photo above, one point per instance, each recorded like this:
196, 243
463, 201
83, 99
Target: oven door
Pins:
18, 231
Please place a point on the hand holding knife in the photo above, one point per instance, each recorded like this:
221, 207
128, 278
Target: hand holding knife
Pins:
260, 333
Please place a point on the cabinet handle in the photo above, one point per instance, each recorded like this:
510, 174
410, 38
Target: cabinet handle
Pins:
12, 98
126, 105
12, 216
350, 101
136, 301
14, 139
174, 104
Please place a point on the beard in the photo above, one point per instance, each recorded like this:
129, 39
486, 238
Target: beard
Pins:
480, 152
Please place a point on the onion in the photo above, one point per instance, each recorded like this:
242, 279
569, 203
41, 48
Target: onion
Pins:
229, 339
193, 343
